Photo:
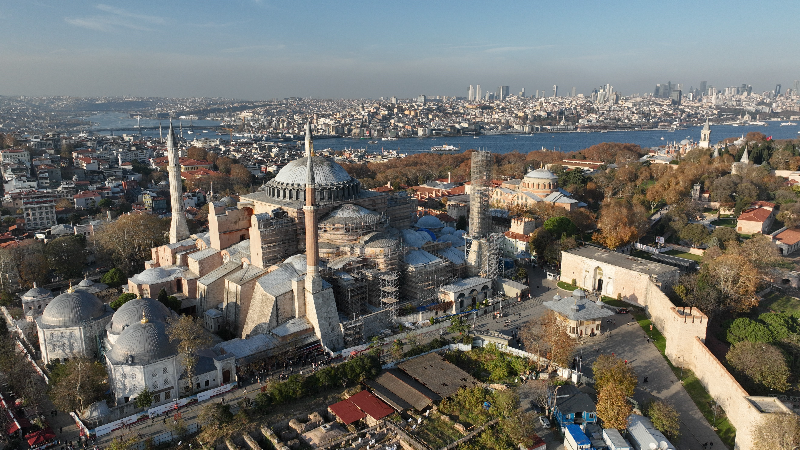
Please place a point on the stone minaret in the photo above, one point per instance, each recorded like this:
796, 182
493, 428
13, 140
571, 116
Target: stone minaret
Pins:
313, 280
320, 303
178, 231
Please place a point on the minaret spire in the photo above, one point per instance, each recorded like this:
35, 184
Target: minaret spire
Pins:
313, 280
178, 230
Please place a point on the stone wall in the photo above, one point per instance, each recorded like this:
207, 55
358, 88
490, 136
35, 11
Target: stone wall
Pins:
685, 332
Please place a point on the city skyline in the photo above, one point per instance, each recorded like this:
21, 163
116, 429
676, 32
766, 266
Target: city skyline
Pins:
258, 50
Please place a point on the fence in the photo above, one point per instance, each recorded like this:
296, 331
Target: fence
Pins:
649, 249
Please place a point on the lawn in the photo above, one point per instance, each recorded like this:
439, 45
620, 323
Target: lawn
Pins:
776, 301
685, 255
566, 286
693, 387
730, 223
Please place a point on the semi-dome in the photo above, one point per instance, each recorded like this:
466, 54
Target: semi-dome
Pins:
142, 343
155, 275
133, 310
326, 172
350, 214
72, 309
430, 222
541, 174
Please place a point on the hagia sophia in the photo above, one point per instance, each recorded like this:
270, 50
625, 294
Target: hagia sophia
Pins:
310, 259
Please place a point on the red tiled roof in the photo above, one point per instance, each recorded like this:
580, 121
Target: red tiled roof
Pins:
755, 215
371, 405
789, 237
347, 411
517, 236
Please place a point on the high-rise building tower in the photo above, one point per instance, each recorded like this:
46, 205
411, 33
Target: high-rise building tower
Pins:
573, 91
319, 299
703, 85
777, 90
471, 93
555, 90
178, 229
502, 93
478, 92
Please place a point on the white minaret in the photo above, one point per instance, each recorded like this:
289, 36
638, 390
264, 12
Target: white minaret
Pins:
178, 230
705, 136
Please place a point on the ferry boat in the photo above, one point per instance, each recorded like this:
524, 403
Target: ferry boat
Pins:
445, 149
788, 124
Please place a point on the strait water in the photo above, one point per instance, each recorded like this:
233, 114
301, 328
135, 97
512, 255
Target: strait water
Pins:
505, 143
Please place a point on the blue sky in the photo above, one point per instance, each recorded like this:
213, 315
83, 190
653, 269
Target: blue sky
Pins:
260, 49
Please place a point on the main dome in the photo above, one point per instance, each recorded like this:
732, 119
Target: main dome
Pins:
326, 172
332, 183
72, 309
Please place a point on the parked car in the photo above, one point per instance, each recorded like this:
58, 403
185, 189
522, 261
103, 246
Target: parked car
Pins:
622, 311
543, 420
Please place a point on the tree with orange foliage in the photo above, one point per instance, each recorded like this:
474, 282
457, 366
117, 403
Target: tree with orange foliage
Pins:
620, 223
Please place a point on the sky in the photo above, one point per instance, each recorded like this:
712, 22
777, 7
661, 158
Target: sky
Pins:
261, 49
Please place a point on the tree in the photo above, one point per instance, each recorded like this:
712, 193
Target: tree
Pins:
114, 278
127, 241
190, 337
665, 418
122, 299
458, 325
560, 227
735, 277
77, 383
549, 334
762, 364
777, 431
123, 443
67, 255
170, 301
695, 233
725, 235
620, 223
612, 370
745, 329
461, 223
215, 413
144, 399
613, 407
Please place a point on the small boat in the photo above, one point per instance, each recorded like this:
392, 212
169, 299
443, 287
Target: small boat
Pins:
445, 149
788, 124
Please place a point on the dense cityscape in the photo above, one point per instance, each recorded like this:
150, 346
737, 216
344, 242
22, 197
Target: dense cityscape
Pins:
419, 226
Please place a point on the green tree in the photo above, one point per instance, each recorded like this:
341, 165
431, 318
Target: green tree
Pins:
122, 299
114, 278
144, 399
745, 329
613, 407
665, 418
560, 226
458, 325
695, 233
127, 241
190, 336
762, 364
461, 223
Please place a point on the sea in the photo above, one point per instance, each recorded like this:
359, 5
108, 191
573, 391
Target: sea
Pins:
499, 143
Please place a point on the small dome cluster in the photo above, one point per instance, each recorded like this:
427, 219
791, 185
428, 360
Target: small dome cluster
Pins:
73, 309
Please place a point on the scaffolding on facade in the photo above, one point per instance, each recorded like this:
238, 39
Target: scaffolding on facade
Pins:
390, 289
481, 171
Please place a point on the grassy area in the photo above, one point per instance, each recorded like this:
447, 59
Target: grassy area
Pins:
693, 387
685, 255
730, 223
566, 286
437, 433
615, 303
776, 301
704, 402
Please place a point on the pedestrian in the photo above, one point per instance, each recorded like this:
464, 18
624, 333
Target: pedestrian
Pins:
61, 430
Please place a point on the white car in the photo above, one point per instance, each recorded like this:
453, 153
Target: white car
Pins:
543, 420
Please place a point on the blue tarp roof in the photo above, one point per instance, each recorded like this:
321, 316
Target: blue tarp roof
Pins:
578, 435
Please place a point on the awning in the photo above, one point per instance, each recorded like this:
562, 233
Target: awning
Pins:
40, 437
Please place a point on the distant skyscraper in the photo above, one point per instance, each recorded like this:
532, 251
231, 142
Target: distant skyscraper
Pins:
573, 91
478, 94
502, 92
471, 94
675, 97
522, 93
703, 85
555, 90
777, 90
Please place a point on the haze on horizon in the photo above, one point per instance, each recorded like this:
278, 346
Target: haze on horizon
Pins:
260, 49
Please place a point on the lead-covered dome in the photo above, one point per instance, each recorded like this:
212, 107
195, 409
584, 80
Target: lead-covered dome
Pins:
72, 309
541, 174
332, 182
37, 293
133, 311
326, 171
142, 343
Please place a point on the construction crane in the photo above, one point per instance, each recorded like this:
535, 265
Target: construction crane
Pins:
230, 133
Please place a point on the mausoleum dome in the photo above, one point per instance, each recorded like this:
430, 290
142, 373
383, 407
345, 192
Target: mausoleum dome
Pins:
142, 343
72, 309
132, 312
